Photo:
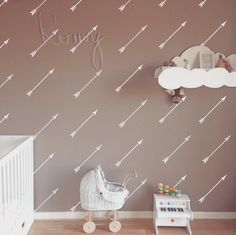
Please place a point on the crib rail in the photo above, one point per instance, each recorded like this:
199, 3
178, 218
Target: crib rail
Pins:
16, 190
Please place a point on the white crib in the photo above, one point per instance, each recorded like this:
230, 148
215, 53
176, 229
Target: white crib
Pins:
16, 184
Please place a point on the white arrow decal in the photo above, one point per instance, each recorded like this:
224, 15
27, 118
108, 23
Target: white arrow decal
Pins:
164, 118
202, 199
161, 4
136, 110
202, 3
36, 9
161, 46
74, 207
54, 117
72, 134
72, 50
29, 93
205, 160
124, 6
165, 160
118, 89
182, 179
4, 2
138, 144
4, 43
52, 194
142, 183
4, 118
92, 154
76, 95
8, 79
75, 6
33, 53
221, 26
203, 119
122, 49
49, 158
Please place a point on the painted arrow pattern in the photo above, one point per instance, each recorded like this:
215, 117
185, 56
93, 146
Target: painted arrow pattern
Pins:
29, 93
165, 160
34, 11
77, 94
122, 49
162, 45
162, 120
202, 3
33, 53
74, 207
128, 154
4, 2
49, 158
219, 28
203, 119
118, 89
161, 4
72, 50
4, 43
181, 180
72, 134
136, 110
7, 80
75, 5
205, 160
202, 199
124, 6
141, 184
46, 200
4, 118
91, 155
54, 117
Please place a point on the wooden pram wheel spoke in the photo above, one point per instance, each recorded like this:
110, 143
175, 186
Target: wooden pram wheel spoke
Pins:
115, 226
89, 227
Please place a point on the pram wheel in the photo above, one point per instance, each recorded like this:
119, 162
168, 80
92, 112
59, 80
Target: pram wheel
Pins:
115, 226
89, 227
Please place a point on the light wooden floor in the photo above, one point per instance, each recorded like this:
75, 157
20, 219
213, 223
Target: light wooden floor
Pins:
133, 227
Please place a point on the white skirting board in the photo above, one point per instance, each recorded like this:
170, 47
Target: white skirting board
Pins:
127, 215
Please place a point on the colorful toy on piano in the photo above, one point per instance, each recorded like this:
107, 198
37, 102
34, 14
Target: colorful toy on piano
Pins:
167, 190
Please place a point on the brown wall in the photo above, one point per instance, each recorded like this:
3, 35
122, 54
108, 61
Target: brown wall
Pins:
72, 71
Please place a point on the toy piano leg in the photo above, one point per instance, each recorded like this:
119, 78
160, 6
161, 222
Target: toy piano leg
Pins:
189, 228
156, 228
115, 225
89, 226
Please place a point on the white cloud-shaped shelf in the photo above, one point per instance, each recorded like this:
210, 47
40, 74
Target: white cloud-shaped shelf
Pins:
176, 77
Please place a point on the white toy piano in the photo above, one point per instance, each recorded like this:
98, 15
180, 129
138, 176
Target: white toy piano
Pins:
172, 211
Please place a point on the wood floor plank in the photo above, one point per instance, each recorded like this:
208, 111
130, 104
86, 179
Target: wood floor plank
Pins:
133, 227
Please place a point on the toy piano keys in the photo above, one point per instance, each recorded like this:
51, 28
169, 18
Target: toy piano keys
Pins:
172, 211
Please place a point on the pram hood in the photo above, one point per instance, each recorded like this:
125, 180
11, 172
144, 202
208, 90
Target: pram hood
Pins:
111, 191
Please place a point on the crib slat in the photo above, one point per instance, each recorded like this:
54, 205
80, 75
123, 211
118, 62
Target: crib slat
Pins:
16, 188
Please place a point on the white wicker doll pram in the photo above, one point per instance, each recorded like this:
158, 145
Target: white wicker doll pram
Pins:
97, 194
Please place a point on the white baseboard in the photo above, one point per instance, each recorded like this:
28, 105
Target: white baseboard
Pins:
127, 215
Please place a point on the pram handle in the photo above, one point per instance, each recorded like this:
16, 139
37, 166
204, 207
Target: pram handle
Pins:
129, 177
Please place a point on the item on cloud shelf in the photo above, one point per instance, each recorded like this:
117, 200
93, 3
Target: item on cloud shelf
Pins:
223, 63
167, 190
